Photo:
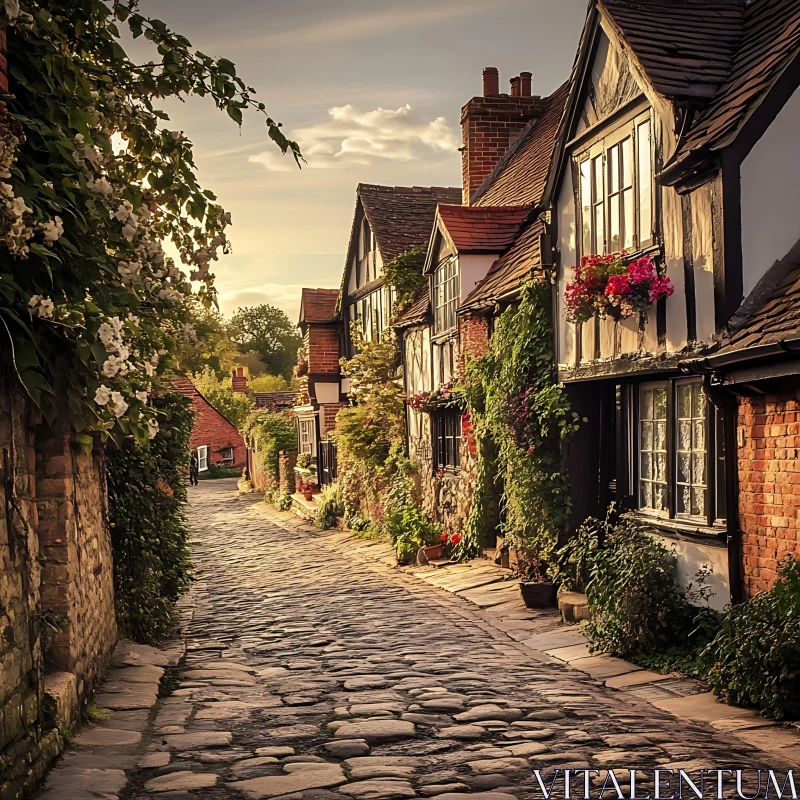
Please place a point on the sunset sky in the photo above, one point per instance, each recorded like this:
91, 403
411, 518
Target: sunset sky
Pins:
371, 90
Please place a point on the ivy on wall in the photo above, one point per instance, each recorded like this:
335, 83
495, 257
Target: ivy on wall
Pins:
147, 496
266, 434
519, 416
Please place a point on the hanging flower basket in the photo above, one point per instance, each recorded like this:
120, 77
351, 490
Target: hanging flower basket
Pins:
614, 286
446, 396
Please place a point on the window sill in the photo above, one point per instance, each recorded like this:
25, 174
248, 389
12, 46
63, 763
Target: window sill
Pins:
449, 474
685, 530
444, 336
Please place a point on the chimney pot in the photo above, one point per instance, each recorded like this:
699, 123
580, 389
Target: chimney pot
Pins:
525, 80
515, 87
491, 82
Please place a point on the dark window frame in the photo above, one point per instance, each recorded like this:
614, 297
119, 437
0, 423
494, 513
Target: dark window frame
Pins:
446, 430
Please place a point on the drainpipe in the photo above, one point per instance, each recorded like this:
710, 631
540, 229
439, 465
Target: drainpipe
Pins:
727, 402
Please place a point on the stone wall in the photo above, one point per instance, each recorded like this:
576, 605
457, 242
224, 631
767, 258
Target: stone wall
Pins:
287, 463
769, 485
57, 625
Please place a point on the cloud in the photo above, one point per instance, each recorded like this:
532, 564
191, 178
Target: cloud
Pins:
351, 136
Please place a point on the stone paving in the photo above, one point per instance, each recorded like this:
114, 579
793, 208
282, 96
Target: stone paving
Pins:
316, 673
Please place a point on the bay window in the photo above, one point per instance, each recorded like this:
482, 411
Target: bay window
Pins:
615, 189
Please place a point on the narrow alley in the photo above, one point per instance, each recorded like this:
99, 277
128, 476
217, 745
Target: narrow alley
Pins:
315, 676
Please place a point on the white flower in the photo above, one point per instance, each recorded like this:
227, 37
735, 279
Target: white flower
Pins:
12, 10
152, 428
52, 229
142, 397
102, 395
148, 369
42, 306
129, 231
133, 319
6, 190
123, 212
120, 406
100, 186
111, 366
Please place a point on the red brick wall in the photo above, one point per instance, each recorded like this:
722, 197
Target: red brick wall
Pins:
769, 485
473, 331
213, 430
488, 127
323, 349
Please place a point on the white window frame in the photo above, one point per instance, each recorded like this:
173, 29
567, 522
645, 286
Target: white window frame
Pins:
202, 458
445, 296
307, 436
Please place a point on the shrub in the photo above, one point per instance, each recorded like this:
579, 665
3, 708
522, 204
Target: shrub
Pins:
331, 506
629, 577
757, 652
147, 496
266, 434
283, 502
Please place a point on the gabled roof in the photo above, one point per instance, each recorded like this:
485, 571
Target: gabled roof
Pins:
521, 175
770, 41
509, 270
318, 305
186, 387
275, 400
401, 216
685, 47
481, 229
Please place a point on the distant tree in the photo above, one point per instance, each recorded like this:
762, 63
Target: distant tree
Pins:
268, 383
211, 345
268, 331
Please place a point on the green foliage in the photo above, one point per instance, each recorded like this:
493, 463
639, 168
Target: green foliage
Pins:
268, 383
234, 406
211, 347
283, 502
331, 506
214, 473
637, 607
147, 496
81, 216
267, 331
404, 274
266, 434
516, 404
757, 652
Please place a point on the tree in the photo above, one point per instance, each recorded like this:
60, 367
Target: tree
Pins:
211, 344
269, 383
91, 308
267, 330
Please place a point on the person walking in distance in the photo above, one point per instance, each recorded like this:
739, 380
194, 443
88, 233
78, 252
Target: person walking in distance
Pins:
194, 470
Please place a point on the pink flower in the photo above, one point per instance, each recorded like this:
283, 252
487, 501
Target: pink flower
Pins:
618, 286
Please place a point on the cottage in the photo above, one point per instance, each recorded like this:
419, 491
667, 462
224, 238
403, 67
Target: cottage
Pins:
215, 440
677, 148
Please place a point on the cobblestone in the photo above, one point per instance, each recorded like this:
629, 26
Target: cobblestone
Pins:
318, 672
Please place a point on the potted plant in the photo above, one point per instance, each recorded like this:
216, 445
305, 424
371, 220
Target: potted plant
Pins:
535, 585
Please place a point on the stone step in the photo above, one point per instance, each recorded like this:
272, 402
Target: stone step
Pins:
573, 607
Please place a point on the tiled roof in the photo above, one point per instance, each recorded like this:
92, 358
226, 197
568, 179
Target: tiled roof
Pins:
482, 229
318, 305
417, 311
275, 400
183, 385
401, 217
770, 41
521, 175
686, 47
509, 270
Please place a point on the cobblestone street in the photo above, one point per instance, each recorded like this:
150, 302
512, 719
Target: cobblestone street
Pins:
323, 677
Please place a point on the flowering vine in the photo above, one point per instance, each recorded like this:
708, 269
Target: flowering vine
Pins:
93, 187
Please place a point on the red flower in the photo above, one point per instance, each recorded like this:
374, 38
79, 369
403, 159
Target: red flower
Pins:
455, 538
443, 538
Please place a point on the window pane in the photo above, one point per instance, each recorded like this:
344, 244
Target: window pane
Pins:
613, 170
690, 445
599, 229
597, 169
614, 238
627, 219
586, 207
644, 181
653, 448
626, 165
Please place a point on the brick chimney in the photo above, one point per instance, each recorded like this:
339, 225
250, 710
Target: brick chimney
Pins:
239, 380
490, 124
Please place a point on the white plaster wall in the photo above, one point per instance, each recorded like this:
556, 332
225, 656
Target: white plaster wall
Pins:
565, 332
471, 270
672, 218
703, 258
770, 183
691, 557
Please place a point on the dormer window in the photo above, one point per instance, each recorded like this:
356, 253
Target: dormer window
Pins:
616, 190
445, 296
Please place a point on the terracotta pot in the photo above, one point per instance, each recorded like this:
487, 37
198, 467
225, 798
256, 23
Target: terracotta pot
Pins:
433, 551
308, 494
537, 594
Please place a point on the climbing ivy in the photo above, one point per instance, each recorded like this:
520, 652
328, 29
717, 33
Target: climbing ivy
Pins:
92, 181
266, 434
404, 274
518, 410
147, 496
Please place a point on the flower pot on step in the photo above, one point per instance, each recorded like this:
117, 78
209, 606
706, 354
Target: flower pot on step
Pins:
537, 594
433, 551
308, 494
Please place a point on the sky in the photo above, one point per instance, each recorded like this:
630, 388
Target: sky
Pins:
372, 91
